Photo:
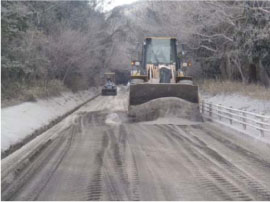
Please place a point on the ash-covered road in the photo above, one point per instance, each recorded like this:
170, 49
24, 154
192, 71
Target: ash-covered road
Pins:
101, 155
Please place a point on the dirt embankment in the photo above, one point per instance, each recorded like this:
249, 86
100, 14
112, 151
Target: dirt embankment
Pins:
165, 108
32, 119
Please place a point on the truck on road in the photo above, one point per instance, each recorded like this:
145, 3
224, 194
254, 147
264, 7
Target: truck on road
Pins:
109, 88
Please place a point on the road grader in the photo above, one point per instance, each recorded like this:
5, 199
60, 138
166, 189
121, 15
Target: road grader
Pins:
159, 73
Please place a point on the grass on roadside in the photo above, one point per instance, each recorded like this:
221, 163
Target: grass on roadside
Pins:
215, 87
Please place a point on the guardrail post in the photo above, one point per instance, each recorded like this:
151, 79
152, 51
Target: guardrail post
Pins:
260, 122
244, 120
219, 107
230, 115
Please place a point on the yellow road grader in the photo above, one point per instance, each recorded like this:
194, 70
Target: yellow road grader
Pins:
160, 73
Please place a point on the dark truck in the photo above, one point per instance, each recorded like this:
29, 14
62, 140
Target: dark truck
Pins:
109, 88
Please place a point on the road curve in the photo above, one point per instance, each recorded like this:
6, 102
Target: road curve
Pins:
100, 155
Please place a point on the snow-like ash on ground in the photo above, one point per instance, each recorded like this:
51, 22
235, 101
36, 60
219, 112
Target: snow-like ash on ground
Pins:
166, 107
239, 101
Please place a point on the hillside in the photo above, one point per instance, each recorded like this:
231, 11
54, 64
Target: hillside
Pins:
74, 43
214, 36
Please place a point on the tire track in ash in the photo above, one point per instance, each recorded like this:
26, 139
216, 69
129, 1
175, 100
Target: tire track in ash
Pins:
194, 161
239, 177
131, 166
73, 177
110, 188
237, 193
95, 186
58, 149
135, 195
234, 191
30, 172
231, 145
67, 147
243, 178
253, 185
111, 168
147, 171
71, 180
121, 160
96, 118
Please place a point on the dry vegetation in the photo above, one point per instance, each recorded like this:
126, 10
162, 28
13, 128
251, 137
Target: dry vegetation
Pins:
215, 87
19, 93
48, 47
74, 42
225, 39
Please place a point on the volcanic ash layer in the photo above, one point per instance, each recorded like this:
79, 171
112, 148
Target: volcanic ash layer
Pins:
169, 107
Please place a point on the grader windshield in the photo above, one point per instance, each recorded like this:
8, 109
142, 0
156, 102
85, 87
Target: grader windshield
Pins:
160, 51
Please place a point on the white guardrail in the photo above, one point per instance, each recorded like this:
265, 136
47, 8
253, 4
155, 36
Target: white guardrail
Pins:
247, 120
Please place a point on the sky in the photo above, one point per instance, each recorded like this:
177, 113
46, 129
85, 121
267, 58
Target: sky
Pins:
115, 3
